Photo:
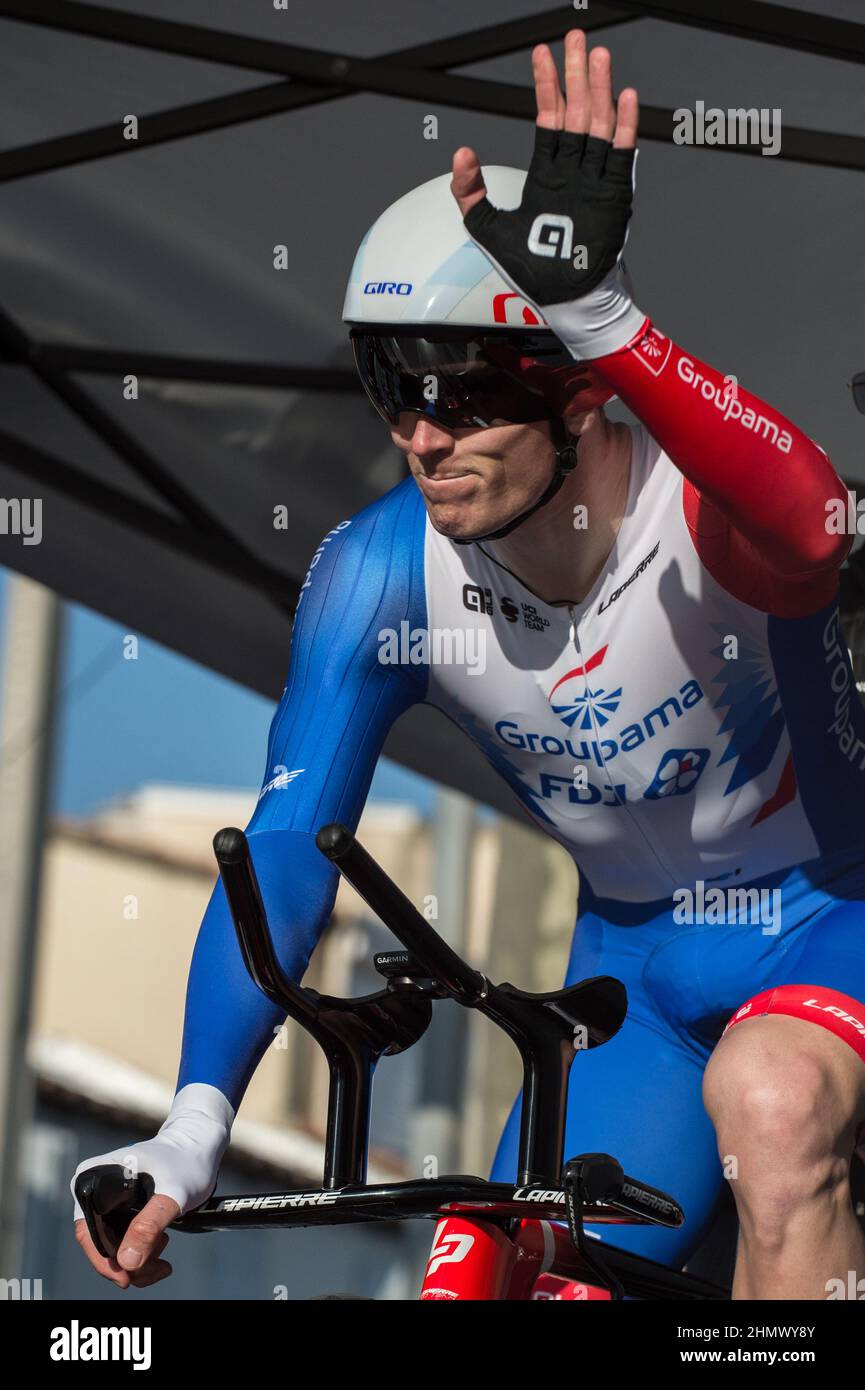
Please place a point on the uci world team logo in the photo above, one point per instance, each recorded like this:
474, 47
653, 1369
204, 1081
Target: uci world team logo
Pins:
678, 773
579, 706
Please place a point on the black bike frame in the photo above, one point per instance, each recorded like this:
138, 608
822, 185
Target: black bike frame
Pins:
549, 1029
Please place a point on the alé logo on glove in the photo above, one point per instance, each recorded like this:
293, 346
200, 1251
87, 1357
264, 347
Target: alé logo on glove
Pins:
552, 234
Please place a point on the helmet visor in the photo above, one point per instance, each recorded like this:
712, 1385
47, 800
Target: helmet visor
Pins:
470, 379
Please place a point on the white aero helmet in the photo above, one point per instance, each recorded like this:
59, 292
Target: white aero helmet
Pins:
423, 299
417, 263
436, 330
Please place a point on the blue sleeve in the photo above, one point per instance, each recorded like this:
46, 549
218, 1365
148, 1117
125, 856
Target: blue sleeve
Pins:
337, 707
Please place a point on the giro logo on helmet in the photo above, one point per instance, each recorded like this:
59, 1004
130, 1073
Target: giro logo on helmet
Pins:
387, 287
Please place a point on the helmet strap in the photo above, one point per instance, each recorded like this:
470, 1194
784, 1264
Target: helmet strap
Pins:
565, 445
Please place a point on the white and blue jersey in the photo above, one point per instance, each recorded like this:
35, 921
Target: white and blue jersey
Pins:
667, 731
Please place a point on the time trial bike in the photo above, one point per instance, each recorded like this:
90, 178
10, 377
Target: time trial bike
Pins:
525, 1240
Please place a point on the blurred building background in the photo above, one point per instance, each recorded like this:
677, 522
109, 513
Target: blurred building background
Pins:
124, 891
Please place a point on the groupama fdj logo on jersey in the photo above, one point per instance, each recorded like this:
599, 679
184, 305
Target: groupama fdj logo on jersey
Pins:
677, 772
586, 710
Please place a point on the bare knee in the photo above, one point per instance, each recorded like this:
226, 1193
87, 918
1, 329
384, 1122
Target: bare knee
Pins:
782, 1119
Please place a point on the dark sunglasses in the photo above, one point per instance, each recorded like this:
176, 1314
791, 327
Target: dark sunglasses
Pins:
460, 379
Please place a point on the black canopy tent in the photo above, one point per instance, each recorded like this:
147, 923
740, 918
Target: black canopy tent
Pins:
153, 258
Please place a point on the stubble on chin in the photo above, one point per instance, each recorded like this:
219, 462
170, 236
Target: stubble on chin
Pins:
450, 522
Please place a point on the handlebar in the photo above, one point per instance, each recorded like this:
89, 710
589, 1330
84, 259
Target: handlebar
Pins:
381, 894
549, 1030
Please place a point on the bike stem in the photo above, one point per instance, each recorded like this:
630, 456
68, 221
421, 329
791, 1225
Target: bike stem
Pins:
354, 1033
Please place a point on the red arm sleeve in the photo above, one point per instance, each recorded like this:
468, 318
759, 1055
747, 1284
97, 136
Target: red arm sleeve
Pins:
744, 461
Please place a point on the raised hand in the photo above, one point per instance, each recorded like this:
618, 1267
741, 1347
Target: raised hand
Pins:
570, 229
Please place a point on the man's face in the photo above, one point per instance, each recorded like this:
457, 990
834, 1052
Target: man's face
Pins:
473, 481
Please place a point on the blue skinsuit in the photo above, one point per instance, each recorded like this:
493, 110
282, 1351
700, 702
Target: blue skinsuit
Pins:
687, 777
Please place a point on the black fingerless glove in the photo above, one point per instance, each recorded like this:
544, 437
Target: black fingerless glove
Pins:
561, 249
570, 228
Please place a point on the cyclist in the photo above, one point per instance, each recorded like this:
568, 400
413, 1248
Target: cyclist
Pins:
664, 688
